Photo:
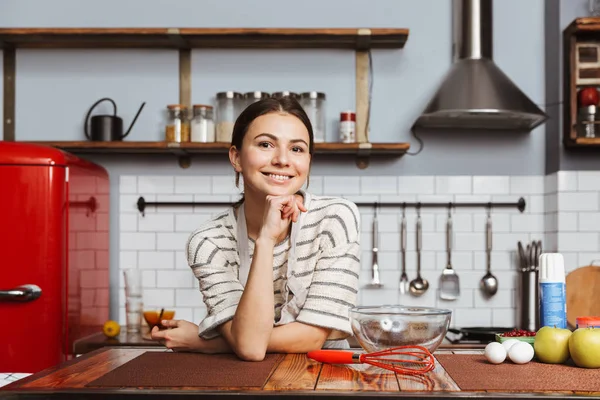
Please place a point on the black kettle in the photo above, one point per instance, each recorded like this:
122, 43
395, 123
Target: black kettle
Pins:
106, 128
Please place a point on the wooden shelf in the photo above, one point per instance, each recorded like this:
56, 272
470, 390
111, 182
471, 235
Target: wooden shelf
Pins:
586, 24
586, 142
362, 151
188, 38
360, 40
125, 147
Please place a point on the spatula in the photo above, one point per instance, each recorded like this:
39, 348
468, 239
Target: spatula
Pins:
449, 282
375, 282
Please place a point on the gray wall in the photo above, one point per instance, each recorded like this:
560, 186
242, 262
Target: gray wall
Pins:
55, 88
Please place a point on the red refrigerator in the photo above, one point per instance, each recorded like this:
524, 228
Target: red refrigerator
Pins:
54, 247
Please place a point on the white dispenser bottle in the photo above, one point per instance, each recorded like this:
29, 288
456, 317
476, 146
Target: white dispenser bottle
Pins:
553, 297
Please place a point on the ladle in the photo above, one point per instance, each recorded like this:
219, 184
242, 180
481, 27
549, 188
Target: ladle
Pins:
403, 276
489, 283
418, 286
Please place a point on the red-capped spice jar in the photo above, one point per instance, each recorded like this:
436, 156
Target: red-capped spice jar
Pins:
347, 127
588, 322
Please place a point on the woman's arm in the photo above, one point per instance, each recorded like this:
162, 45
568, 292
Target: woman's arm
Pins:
182, 335
294, 337
297, 337
249, 332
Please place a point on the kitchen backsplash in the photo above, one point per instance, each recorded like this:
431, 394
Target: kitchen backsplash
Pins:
563, 210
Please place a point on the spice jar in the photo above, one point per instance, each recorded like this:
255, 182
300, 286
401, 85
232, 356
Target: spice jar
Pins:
313, 104
347, 127
588, 117
286, 93
253, 97
178, 129
202, 125
228, 108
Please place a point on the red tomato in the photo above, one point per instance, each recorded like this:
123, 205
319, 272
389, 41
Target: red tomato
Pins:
588, 97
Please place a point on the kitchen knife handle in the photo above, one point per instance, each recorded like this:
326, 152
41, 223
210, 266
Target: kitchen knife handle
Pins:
334, 356
21, 294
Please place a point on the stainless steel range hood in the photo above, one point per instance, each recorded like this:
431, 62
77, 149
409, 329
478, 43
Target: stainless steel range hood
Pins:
476, 94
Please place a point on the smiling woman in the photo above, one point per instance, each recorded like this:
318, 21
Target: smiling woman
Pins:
279, 270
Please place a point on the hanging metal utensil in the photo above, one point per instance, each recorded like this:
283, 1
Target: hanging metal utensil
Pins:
403, 276
449, 282
489, 283
375, 282
418, 286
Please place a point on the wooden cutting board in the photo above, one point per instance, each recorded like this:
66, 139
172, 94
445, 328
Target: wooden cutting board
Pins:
583, 293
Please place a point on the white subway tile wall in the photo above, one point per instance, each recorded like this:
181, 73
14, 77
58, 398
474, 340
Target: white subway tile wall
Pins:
577, 206
563, 210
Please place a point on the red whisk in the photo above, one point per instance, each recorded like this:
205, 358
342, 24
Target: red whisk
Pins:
409, 360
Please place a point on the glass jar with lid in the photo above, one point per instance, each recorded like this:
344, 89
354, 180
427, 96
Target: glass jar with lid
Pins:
178, 128
286, 93
229, 105
314, 106
253, 97
202, 124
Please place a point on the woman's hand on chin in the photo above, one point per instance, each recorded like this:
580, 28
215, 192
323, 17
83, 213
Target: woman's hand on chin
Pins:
279, 212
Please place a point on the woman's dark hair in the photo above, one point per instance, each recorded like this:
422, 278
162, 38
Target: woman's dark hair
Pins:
266, 106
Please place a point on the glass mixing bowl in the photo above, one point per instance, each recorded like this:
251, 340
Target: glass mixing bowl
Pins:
381, 327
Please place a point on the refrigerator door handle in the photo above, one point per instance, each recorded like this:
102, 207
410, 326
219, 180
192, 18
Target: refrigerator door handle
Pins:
22, 293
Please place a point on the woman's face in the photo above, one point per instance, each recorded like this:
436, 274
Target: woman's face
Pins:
274, 159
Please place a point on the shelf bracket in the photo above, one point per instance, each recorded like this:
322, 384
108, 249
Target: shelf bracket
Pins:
183, 157
363, 155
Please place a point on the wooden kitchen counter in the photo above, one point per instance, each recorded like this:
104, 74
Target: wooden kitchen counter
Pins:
295, 376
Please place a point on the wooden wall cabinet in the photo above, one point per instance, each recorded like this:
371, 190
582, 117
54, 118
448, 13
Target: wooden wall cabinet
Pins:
581, 69
360, 40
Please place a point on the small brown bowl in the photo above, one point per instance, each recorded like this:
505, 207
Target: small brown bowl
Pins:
151, 317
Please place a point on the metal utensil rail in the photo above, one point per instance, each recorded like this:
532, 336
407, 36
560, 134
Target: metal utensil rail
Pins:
519, 204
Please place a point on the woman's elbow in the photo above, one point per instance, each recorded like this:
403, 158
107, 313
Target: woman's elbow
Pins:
251, 353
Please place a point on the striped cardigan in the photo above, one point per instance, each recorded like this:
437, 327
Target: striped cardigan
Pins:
328, 254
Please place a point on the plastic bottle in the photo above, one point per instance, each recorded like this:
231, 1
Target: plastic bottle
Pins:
553, 299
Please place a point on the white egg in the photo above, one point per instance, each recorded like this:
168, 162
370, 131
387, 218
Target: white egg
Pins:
509, 343
495, 353
521, 353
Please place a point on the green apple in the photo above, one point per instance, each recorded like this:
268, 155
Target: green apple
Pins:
584, 345
551, 345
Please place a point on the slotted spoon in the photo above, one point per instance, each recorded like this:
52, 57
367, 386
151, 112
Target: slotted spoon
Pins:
449, 282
